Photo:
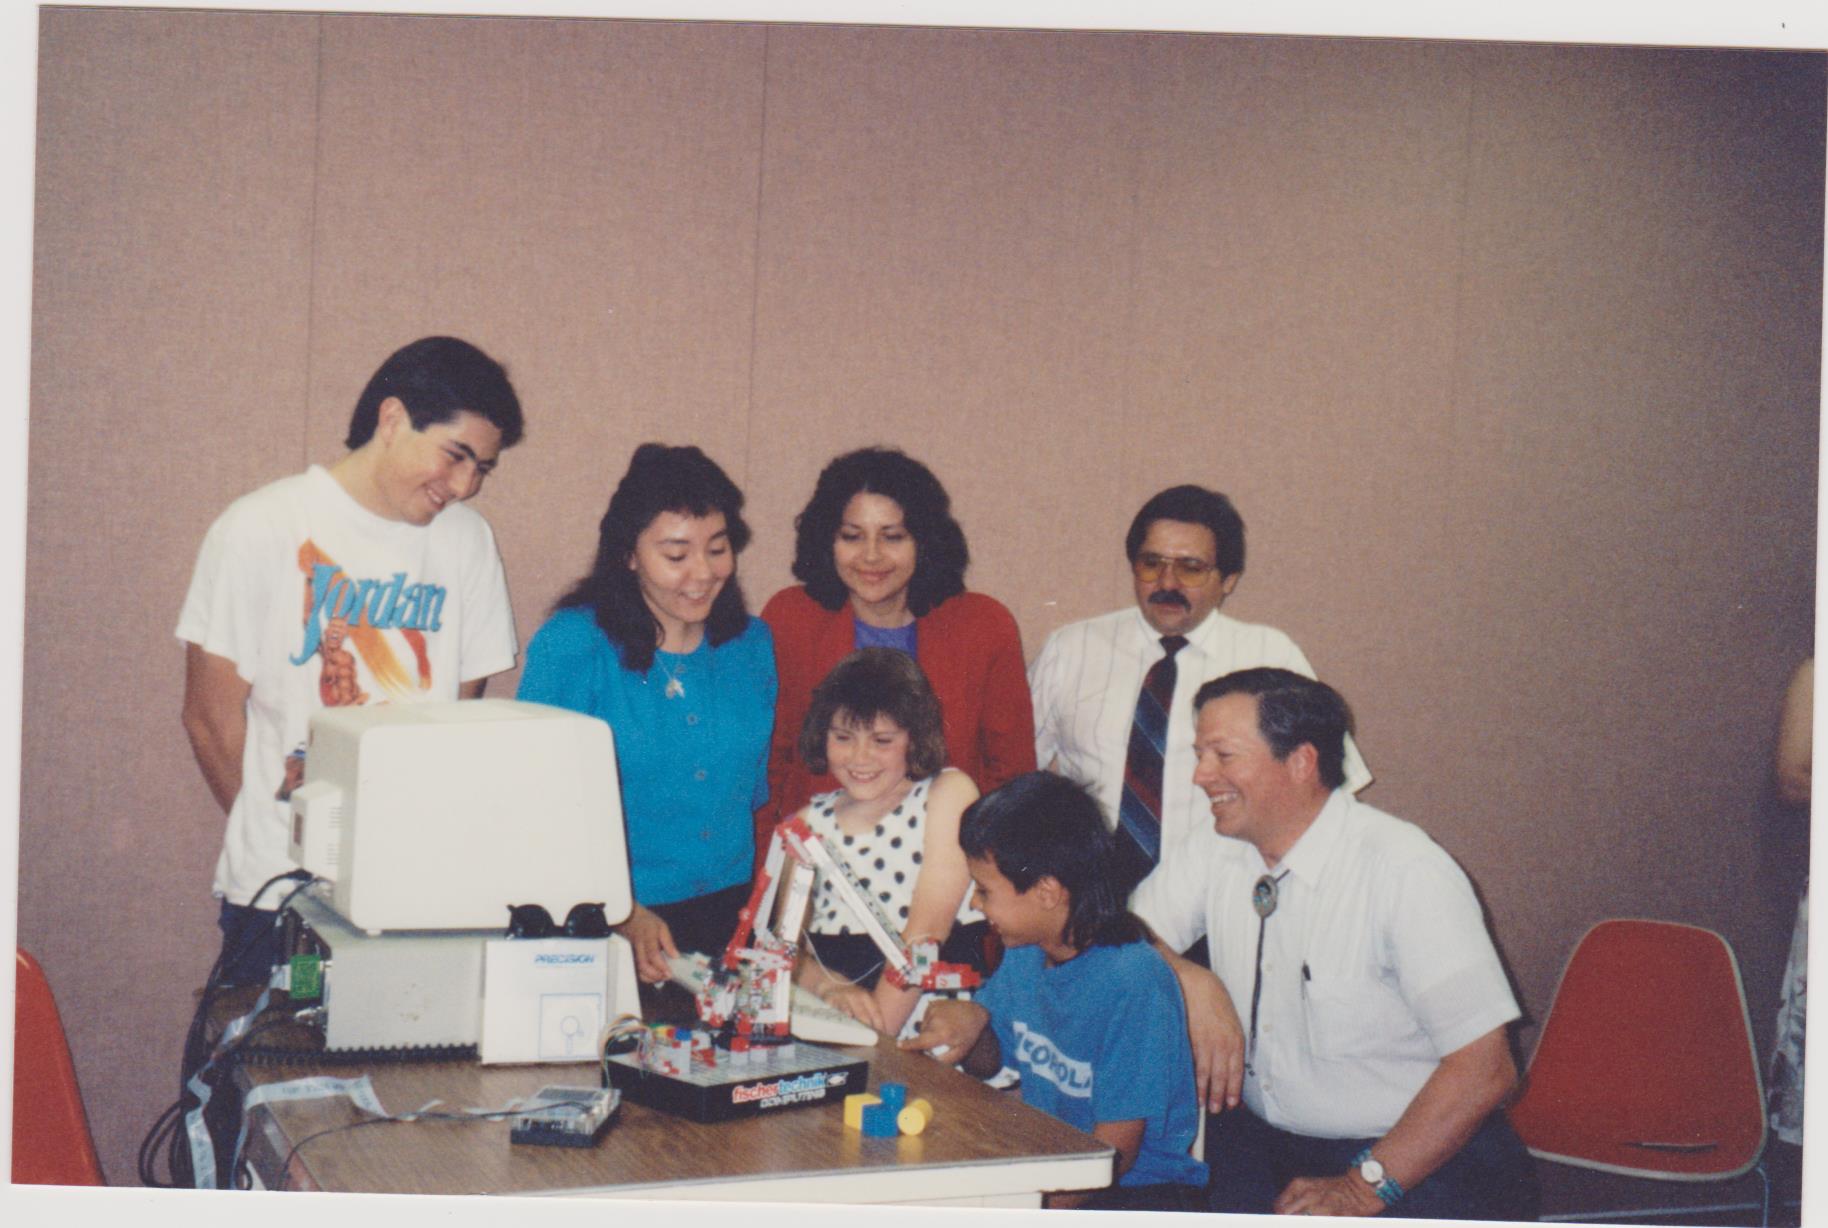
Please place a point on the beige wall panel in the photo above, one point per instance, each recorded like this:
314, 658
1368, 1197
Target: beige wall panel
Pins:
1302, 202
944, 257
169, 336
576, 197
1632, 483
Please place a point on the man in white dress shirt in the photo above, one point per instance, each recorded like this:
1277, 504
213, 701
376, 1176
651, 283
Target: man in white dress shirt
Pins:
1372, 1002
1186, 551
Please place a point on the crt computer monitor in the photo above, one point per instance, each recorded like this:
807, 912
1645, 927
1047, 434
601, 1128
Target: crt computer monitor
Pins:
441, 815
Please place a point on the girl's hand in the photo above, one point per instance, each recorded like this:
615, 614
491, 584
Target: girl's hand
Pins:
653, 943
857, 1002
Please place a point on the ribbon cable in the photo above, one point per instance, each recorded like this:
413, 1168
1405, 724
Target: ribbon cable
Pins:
203, 1149
319, 1087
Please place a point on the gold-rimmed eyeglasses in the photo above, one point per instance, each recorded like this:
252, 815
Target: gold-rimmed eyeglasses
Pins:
1190, 572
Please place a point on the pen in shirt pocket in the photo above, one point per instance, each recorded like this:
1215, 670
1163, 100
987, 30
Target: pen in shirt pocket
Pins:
1306, 978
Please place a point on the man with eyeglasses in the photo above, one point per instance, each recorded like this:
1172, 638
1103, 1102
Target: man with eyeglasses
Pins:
1111, 693
1376, 1055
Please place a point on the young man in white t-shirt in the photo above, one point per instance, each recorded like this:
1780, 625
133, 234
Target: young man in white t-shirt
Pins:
364, 582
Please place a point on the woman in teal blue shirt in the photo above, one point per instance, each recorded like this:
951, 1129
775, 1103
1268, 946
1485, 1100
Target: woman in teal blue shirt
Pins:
656, 641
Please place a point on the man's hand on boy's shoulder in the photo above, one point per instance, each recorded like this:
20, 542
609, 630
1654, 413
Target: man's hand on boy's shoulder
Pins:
951, 1030
1213, 1030
1215, 1034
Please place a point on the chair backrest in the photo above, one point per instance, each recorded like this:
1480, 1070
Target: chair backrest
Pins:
1646, 1065
51, 1140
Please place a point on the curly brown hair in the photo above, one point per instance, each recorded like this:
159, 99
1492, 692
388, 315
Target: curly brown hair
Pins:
874, 682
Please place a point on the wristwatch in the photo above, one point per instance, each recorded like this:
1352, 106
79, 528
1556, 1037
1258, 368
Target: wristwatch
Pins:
1371, 1170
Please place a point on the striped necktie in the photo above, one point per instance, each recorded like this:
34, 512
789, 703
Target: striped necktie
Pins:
1139, 810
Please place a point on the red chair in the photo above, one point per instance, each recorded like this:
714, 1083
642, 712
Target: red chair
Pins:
51, 1140
1646, 1064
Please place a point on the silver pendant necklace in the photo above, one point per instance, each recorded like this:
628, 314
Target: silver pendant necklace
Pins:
674, 687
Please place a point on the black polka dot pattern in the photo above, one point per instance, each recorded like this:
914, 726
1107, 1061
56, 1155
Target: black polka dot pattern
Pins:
883, 861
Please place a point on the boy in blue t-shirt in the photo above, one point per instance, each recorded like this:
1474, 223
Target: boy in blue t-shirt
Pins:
1082, 1005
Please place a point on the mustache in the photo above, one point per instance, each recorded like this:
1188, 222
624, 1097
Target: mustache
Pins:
1170, 597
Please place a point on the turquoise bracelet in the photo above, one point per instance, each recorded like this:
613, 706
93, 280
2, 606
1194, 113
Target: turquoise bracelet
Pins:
1387, 1190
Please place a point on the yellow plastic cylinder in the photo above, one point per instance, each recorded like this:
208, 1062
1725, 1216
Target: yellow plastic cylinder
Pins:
914, 1117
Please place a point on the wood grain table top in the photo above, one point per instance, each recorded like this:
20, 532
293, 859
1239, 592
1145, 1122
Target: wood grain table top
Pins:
645, 1149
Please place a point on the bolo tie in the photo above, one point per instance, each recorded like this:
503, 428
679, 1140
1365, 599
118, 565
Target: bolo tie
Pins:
1263, 900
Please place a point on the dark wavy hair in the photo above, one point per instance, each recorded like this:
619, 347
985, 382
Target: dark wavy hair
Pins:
1291, 709
940, 556
1194, 505
874, 682
659, 479
1043, 825
437, 378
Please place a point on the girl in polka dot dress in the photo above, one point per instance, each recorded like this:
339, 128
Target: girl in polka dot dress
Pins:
875, 726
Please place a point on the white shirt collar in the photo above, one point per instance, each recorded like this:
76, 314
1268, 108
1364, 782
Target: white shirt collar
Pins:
1204, 637
1307, 860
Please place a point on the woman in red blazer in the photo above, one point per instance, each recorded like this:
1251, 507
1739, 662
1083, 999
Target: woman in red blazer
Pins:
882, 564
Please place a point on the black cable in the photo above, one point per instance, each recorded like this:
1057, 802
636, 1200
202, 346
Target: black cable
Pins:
166, 1132
230, 1058
196, 1046
154, 1140
285, 1166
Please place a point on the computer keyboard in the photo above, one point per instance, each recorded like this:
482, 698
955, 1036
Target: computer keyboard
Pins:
812, 1018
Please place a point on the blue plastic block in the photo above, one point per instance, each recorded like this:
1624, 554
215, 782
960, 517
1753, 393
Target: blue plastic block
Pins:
895, 1094
879, 1121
